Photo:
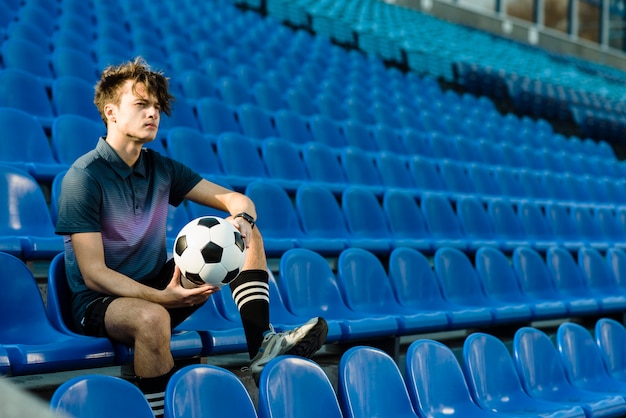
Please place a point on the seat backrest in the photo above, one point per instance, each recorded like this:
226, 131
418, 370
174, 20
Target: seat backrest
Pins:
292, 386
309, 286
320, 213
327, 131
435, 380
484, 180
425, 174
267, 96
323, 164
27, 56
25, 139
24, 91
359, 135
394, 170
586, 224
360, 206
567, 276
73, 95
233, 92
537, 362
216, 117
360, 167
491, 374
371, 385
100, 396
58, 297
608, 224
473, 216
440, 217
207, 390
533, 275
497, 275
412, 278
75, 63
509, 182
255, 121
240, 155
292, 126
277, 215
611, 340
195, 149
364, 283
580, 356
404, 216
534, 221
616, 260
389, 139
458, 278
196, 85
26, 213
596, 271
283, 159
73, 136
456, 177
506, 221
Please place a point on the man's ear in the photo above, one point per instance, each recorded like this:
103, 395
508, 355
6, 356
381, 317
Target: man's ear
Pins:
110, 112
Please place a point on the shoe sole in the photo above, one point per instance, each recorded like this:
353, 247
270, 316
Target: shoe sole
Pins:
312, 341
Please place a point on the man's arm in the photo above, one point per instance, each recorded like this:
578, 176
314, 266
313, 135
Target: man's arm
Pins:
89, 252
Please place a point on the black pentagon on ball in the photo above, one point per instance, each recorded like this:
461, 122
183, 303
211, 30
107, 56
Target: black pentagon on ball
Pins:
194, 278
212, 253
209, 222
230, 276
181, 245
239, 241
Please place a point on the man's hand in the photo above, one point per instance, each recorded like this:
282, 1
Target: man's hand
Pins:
176, 296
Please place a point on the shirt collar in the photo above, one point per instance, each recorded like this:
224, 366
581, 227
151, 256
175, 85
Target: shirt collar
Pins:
115, 161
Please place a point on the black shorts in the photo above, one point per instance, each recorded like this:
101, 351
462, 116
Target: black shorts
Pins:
93, 321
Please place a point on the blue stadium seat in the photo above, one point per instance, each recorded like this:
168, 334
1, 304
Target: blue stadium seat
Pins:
25, 218
509, 182
23, 91
24, 30
611, 339
456, 177
443, 223
501, 283
241, 159
309, 288
321, 216
207, 390
31, 341
300, 102
406, 221
255, 121
582, 360
284, 163
216, 117
389, 139
73, 33
598, 277
26, 145
181, 61
537, 281
361, 169
508, 225
268, 97
292, 126
536, 225
177, 218
70, 62
394, 171
194, 149
233, 92
196, 85
182, 114
477, 224
277, 216
72, 95
291, 386
5, 364
359, 272
417, 142
426, 175
484, 180
92, 394
184, 344
461, 284
609, 226
331, 106
359, 135
561, 221
436, 382
616, 260
371, 384
543, 376
495, 384
588, 228
570, 282
415, 285
324, 167
327, 131
24, 55
73, 136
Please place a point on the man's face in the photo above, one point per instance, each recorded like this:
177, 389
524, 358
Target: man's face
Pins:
138, 114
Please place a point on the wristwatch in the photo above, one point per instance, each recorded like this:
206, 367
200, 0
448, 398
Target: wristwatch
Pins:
247, 217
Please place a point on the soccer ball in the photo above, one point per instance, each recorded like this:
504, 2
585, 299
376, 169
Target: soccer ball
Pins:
209, 250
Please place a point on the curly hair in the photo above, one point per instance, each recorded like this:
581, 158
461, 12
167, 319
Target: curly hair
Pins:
107, 89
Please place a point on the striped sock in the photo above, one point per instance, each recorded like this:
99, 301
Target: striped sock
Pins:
156, 401
252, 296
153, 389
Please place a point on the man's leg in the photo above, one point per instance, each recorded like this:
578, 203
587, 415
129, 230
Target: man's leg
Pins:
251, 295
145, 326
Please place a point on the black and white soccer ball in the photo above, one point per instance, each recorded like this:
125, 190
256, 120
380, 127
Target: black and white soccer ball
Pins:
209, 250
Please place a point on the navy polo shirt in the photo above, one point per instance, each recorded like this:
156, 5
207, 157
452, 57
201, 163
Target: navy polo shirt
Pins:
127, 205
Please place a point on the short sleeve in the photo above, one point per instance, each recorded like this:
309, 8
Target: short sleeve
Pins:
79, 203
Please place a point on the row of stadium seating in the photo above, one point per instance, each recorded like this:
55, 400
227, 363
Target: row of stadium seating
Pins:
577, 376
329, 216
412, 298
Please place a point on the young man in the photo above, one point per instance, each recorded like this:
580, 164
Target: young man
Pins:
112, 212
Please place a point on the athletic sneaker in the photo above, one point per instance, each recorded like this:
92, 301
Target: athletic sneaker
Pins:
303, 341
